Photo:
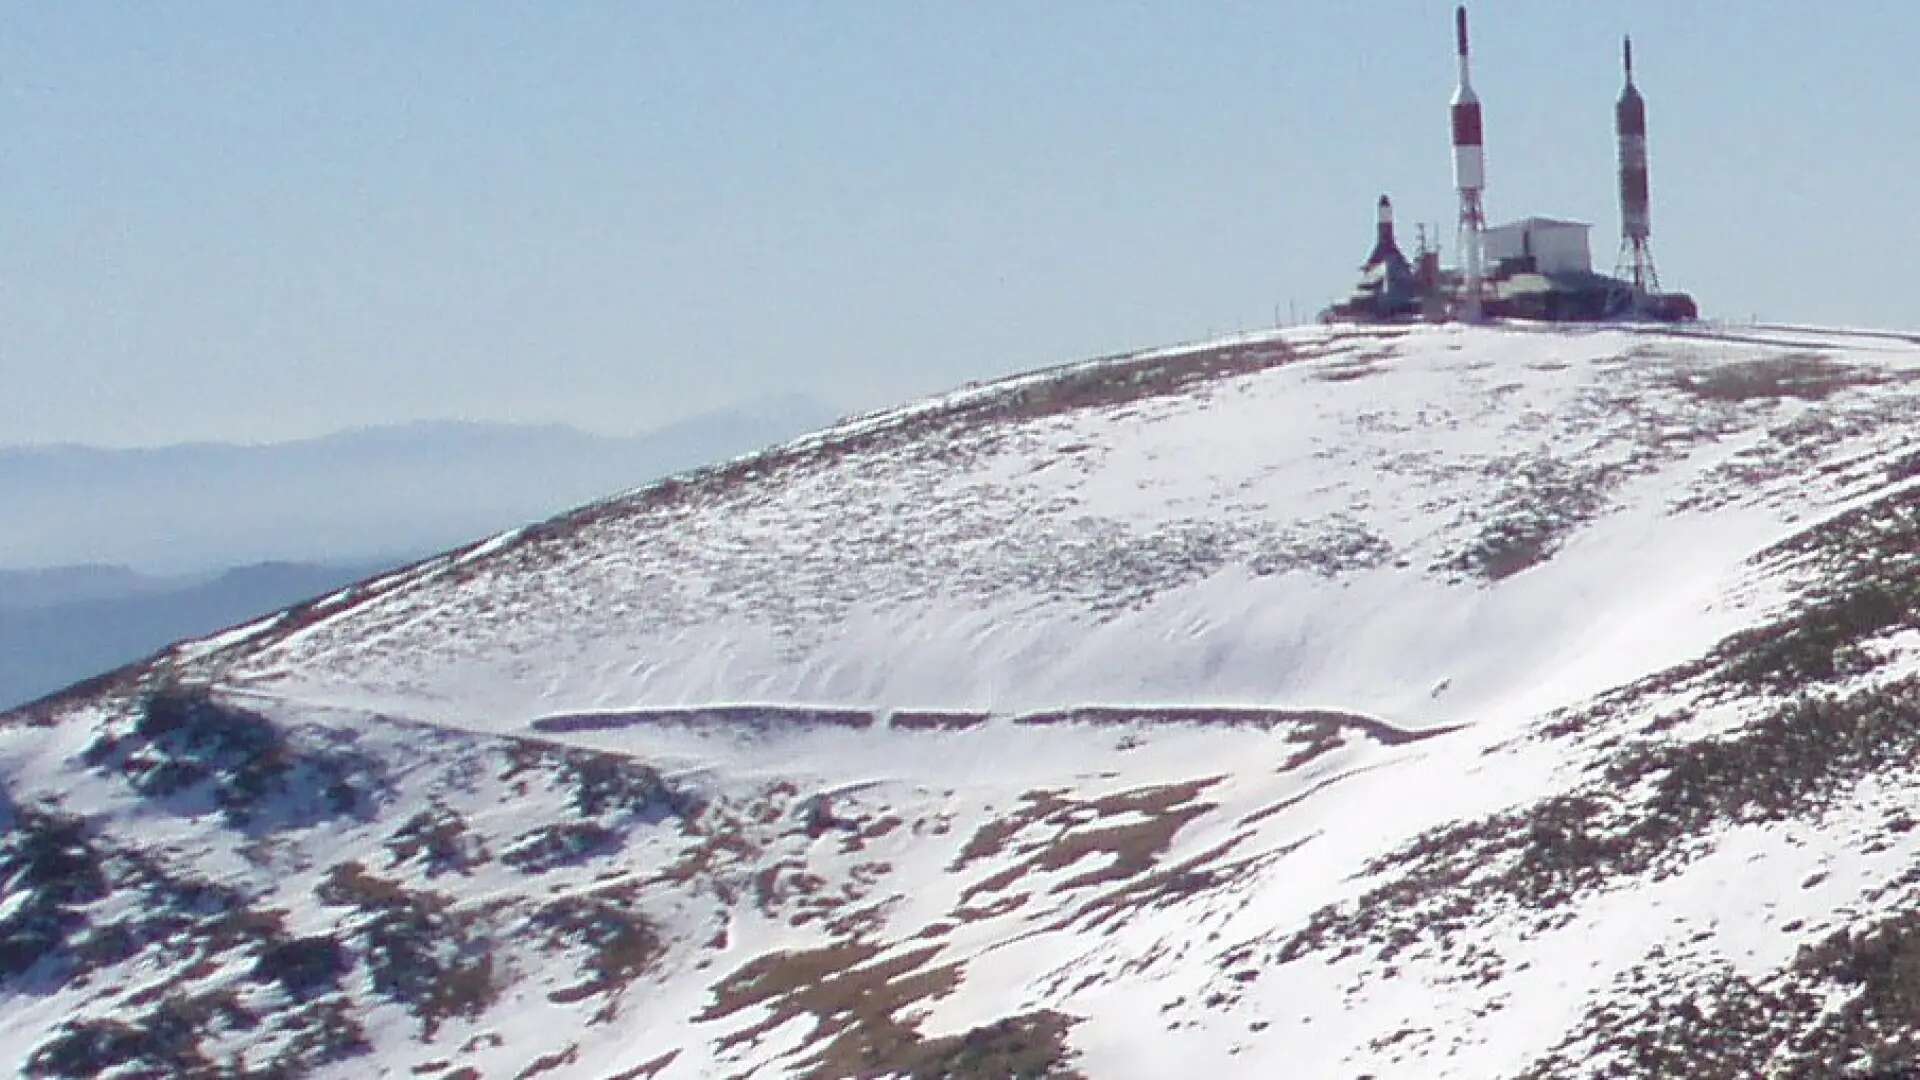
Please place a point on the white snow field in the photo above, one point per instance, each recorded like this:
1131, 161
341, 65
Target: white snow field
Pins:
1393, 702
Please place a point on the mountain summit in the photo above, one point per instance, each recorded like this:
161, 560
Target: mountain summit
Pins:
1424, 702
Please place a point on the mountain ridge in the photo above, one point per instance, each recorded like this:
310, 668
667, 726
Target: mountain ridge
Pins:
1411, 702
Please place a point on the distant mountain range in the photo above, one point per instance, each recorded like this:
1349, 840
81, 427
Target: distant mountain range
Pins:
354, 496
132, 549
62, 625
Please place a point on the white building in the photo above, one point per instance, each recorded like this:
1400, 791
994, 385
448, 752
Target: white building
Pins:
1557, 247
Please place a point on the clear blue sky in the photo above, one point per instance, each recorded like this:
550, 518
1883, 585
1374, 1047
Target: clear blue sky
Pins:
258, 220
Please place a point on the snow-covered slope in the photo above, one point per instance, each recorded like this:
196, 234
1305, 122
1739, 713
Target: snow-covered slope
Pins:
1403, 702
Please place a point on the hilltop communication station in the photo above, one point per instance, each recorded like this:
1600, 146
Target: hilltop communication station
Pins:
1533, 268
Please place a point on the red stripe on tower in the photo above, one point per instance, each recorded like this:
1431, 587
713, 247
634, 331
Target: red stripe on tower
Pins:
1466, 125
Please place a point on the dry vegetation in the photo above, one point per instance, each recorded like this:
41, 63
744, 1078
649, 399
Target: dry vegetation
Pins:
1810, 376
861, 1005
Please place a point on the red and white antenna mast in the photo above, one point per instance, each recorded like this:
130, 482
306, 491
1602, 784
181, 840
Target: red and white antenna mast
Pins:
1470, 177
1636, 217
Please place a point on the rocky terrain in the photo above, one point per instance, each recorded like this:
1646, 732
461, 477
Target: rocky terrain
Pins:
1423, 702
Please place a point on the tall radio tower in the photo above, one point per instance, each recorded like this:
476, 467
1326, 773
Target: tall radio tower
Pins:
1470, 177
1636, 219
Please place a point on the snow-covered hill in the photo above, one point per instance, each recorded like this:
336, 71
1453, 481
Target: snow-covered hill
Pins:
1398, 702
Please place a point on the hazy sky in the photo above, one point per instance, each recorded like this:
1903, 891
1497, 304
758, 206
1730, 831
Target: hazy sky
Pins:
256, 220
